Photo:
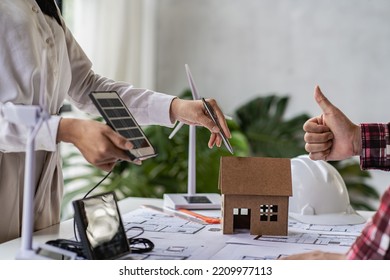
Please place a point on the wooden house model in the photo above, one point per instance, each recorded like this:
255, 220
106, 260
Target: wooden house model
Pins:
255, 194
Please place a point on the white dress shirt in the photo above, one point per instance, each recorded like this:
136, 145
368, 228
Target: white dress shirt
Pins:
25, 31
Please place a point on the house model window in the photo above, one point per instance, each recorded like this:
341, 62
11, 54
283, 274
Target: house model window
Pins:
241, 211
269, 213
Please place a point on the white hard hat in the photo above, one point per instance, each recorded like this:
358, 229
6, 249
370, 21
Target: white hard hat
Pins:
319, 194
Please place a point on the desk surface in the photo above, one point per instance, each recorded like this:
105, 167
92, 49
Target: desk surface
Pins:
207, 243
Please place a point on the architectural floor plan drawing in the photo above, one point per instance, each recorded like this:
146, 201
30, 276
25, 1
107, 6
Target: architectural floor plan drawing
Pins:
178, 238
311, 238
168, 252
154, 221
251, 252
175, 238
328, 229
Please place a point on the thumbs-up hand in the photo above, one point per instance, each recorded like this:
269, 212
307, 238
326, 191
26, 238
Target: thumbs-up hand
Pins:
331, 136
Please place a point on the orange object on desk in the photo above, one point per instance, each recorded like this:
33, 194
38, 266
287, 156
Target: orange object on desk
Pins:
209, 220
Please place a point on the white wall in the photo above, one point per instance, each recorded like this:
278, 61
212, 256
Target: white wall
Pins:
239, 49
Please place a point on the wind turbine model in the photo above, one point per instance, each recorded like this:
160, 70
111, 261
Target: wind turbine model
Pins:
192, 200
32, 116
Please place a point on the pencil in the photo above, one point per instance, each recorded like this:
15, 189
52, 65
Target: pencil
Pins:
209, 220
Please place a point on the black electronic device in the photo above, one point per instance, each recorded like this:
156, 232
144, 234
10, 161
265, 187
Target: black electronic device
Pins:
100, 227
118, 117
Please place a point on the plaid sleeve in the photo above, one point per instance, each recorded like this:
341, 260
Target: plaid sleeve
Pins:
373, 243
375, 152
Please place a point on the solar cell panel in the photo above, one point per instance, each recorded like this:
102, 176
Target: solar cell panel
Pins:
118, 117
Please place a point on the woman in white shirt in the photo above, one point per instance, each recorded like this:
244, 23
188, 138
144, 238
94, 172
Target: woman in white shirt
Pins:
26, 28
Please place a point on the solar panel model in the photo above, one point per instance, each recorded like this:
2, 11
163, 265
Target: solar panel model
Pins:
118, 117
100, 227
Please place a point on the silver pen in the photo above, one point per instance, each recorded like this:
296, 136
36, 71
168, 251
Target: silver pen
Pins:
214, 117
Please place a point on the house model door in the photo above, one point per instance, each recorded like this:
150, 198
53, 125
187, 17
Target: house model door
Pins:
241, 218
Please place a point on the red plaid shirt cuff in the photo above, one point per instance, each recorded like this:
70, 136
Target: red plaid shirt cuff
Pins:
375, 152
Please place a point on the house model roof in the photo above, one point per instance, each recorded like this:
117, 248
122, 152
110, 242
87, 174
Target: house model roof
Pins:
255, 176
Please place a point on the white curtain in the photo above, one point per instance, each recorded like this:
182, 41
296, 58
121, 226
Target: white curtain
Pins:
118, 36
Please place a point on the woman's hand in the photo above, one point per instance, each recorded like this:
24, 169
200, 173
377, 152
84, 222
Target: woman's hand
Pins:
97, 142
192, 112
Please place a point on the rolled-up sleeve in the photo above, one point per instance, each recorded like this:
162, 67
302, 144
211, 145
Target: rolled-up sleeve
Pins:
13, 136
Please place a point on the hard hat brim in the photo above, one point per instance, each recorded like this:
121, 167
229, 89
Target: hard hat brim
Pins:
330, 219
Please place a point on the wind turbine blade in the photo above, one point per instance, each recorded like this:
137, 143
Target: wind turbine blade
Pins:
194, 91
177, 128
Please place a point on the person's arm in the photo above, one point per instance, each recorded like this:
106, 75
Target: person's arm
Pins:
315, 255
374, 241
147, 106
